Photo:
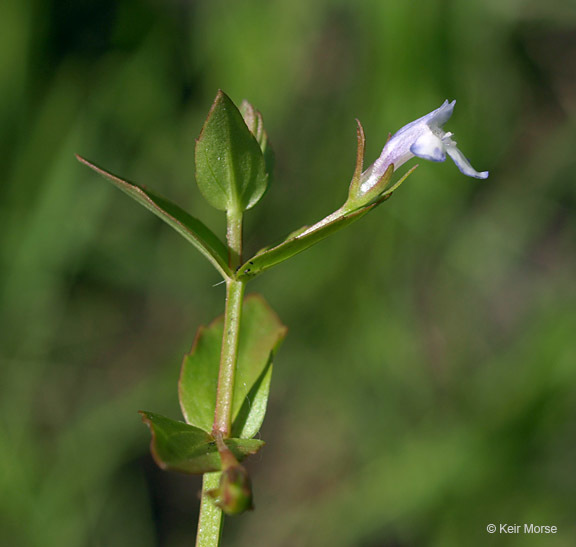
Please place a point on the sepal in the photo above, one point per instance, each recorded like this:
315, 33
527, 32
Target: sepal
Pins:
363, 191
360, 150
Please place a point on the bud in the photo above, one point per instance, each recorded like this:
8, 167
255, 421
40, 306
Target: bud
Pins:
234, 493
255, 123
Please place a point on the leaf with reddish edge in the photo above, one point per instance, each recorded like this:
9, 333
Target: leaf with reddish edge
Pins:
181, 447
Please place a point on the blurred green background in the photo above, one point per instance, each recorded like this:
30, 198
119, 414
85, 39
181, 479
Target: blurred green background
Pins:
427, 386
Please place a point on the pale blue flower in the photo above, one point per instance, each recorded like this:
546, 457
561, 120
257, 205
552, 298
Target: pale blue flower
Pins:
424, 138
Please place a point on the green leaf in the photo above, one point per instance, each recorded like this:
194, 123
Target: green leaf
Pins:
182, 447
305, 237
230, 167
299, 241
260, 334
186, 225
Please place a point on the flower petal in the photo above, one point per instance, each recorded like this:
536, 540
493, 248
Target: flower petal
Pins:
436, 118
441, 115
463, 164
429, 147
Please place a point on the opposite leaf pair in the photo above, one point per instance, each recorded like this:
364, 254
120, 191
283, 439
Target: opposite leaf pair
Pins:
233, 169
234, 166
190, 447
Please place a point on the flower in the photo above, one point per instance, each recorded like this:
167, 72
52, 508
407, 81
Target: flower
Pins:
424, 138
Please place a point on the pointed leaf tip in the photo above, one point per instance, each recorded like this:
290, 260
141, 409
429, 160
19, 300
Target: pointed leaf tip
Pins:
192, 229
230, 166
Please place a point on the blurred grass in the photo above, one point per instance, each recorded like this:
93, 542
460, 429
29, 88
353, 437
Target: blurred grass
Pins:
427, 385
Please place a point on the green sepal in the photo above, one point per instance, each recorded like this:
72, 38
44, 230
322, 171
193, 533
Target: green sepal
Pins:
388, 191
181, 447
192, 229
230, 166
260, 335
382, 188
360, 150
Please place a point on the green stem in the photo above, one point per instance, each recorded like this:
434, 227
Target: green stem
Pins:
228, 357
232, 316
210, 521
234, 238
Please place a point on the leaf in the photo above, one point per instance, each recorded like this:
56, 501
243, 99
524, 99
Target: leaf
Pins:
182, 447
252, 409
260, 334
230, 166
305, 237
186, 225
299, 241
